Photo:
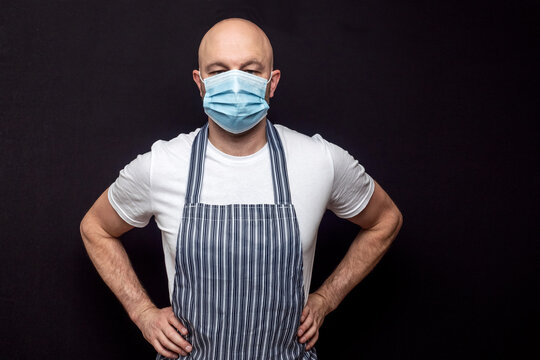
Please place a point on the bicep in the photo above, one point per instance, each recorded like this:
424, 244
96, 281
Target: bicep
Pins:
380, 208
103, 218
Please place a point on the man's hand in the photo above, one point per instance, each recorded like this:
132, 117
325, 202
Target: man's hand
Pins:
312, 318
160, 328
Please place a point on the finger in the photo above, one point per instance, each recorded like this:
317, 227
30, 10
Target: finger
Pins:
308, 322
305, 313
173, 320
173, 336
160, 349
309, 333
313, 340
168, 344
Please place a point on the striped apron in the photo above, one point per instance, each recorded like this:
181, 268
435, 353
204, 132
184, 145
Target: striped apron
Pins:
238, 287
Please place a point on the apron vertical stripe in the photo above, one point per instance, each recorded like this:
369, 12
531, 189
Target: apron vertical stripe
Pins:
238, 285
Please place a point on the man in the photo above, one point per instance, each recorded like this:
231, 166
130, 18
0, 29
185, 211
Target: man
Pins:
238, 202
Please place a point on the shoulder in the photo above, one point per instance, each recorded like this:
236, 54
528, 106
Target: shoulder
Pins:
307, 156
294, 139
179, 146
297, 142
313, 149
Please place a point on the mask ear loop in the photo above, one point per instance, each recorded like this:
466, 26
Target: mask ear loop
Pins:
266, 82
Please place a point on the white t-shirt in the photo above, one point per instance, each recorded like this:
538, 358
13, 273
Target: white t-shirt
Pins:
321, 176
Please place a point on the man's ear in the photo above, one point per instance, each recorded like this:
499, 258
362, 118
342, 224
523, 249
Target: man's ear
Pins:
199, 82
276, 75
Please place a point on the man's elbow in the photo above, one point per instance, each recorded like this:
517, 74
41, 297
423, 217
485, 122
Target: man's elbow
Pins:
397, 220
85, 228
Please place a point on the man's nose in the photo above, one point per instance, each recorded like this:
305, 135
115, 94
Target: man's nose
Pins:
235, 85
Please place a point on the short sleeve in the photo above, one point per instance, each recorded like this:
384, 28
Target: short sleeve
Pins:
352, 186
130, 194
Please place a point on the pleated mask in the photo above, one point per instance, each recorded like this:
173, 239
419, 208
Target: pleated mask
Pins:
235, 100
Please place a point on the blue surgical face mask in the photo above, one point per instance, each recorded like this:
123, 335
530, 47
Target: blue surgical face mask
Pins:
235, 100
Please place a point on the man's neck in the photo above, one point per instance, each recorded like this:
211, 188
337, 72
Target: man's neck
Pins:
243, 144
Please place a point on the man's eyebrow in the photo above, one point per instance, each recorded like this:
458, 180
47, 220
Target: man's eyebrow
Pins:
252, 62
216, 63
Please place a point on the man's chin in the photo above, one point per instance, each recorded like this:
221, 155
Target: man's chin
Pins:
243, 133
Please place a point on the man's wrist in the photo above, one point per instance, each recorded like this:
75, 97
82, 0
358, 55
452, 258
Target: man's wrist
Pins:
327, 300
136, 313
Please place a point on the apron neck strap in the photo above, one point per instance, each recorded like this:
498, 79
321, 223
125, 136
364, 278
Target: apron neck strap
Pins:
280, 178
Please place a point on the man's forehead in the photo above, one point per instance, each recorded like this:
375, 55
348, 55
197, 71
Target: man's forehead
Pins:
238, 56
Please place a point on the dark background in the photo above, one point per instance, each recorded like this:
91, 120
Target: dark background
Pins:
435, 99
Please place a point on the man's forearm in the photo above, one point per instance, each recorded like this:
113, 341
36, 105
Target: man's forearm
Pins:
113, 265
364, 253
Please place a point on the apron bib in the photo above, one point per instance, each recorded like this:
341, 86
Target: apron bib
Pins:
238, 287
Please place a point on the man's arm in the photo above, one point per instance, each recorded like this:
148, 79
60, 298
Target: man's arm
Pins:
100, 229
380, 221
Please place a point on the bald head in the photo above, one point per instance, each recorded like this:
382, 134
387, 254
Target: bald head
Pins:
235, 44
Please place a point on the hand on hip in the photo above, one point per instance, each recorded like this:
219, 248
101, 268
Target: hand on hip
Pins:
164, 331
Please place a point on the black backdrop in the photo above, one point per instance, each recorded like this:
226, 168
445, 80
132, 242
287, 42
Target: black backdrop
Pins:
433, 98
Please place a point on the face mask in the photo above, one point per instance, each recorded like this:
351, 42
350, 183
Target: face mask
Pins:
235, 100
